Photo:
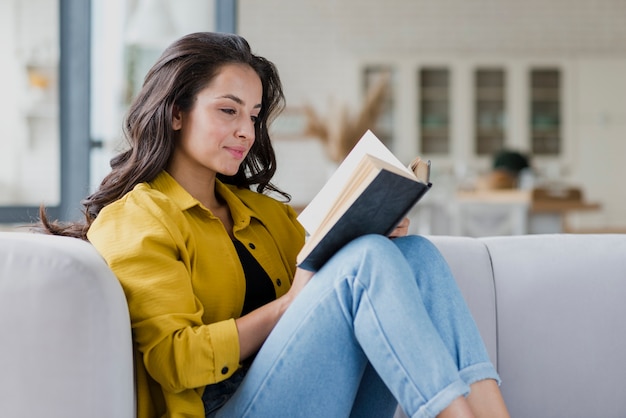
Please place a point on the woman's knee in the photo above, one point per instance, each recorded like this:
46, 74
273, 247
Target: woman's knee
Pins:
416, 246
373, 245
407, 254
368, 250
410, 248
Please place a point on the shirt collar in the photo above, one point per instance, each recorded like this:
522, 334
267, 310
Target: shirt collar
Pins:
167, 185
240, 212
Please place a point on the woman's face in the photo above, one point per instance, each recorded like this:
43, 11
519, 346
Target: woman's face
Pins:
218, 131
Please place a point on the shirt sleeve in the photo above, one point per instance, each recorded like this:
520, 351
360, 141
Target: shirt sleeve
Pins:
144, 245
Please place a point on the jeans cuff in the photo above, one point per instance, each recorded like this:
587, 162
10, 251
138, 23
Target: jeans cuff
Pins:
480, 371
441, 400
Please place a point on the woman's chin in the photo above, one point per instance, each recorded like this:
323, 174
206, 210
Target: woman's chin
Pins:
229, 172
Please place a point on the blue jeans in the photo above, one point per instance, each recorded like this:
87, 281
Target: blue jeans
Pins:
382, 321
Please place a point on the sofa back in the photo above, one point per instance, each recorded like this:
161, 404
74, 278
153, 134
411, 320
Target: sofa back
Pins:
65, 345
558, 336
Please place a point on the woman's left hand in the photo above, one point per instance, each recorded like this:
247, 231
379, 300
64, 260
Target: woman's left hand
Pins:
401, 230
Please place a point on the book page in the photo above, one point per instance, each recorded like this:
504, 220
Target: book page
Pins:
421, 169
314, 213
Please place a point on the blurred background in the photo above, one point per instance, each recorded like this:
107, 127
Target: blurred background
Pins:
520, 106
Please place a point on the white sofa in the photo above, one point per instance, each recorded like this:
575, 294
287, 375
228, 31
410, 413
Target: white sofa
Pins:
551, 310
65, 340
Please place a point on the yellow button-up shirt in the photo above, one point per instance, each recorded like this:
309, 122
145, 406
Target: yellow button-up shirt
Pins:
184, 282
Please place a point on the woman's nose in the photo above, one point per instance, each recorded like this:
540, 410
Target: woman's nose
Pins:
246, 129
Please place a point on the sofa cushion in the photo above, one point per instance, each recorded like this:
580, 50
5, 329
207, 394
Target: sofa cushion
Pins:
561, 334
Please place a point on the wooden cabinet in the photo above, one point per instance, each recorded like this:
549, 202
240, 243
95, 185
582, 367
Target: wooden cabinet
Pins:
500, 100
467, 110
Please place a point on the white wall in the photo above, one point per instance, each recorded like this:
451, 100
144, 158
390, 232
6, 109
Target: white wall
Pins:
312, 41
600, 138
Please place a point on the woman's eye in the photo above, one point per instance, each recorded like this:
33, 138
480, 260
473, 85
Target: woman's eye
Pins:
255, 119
229, 111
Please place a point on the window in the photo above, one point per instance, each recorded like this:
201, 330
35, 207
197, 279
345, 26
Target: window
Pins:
45, 154
29, 163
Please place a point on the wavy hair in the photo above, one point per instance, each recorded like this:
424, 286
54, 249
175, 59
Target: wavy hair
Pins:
186, 67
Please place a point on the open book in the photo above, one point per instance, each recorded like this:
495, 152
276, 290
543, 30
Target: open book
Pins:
369, 193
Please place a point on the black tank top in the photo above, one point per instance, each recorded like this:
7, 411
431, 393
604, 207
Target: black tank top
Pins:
259, 286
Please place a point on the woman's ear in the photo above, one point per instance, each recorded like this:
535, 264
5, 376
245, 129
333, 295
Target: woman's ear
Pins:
177, 118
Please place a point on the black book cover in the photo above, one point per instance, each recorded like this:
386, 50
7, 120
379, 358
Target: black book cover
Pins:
378, 210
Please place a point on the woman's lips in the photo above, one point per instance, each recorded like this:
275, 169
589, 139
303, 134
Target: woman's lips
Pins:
237, 152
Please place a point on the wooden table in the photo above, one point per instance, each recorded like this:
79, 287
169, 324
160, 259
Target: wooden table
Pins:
530, 212
553, 211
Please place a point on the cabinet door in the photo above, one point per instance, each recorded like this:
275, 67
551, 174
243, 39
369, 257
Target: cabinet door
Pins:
545, 111
489, 110
434, 110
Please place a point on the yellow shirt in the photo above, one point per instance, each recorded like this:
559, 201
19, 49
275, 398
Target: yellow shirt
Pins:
185, 285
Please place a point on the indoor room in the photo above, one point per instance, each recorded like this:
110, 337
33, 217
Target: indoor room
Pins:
453, 83
519, 108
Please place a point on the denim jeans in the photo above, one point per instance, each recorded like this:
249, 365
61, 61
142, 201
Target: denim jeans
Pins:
216, 395
382, 321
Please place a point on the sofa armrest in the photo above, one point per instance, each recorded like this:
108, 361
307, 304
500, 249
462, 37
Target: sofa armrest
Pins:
66, 339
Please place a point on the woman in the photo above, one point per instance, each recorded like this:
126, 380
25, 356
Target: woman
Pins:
224, 323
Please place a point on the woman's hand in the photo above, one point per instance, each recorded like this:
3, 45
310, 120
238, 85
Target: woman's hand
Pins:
300, 280
401, 230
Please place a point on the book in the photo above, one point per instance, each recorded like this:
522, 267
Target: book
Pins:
370, 193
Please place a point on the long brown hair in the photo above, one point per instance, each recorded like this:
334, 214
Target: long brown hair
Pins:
183, 70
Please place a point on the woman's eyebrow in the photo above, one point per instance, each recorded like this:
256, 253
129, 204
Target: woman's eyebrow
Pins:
237, 100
